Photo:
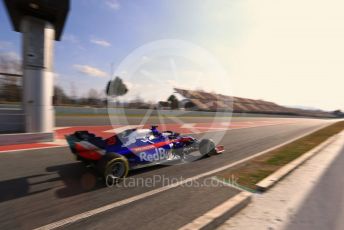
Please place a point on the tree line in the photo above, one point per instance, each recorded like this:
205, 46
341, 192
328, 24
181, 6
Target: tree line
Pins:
11, 90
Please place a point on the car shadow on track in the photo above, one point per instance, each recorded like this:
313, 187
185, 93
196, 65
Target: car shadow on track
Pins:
77, 178
66, 180
24, 186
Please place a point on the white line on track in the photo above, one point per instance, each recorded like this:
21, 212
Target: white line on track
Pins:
187, 125
116, 204
29, 149
123, 128
226, 123
65, 127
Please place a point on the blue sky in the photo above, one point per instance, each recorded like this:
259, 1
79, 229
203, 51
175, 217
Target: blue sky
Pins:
273, 50
99, 34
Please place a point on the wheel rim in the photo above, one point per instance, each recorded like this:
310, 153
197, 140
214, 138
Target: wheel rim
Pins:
117, 170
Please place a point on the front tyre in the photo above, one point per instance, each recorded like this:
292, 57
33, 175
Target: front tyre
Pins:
207, 148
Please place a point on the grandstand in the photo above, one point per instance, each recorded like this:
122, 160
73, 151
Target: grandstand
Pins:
205, 101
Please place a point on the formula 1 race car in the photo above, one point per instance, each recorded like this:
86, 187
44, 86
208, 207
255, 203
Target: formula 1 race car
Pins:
137, 148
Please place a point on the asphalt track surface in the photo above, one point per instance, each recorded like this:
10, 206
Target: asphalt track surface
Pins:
39, 187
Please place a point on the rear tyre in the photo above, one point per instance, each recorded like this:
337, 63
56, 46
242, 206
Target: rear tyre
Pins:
114, 168
207, 148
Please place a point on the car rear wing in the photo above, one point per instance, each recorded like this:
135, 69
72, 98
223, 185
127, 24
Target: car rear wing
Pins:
84, 136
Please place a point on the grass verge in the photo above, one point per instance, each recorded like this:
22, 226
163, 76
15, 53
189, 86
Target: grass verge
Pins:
248, 174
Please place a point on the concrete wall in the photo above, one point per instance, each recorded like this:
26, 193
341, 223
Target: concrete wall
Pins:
67, 110
11, 120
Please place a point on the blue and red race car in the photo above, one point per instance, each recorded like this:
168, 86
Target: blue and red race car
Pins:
137, 148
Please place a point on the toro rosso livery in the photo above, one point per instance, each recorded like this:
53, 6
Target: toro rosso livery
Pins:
136, 148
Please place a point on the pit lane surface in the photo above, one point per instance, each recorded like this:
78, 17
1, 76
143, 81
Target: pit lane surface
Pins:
39, 187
